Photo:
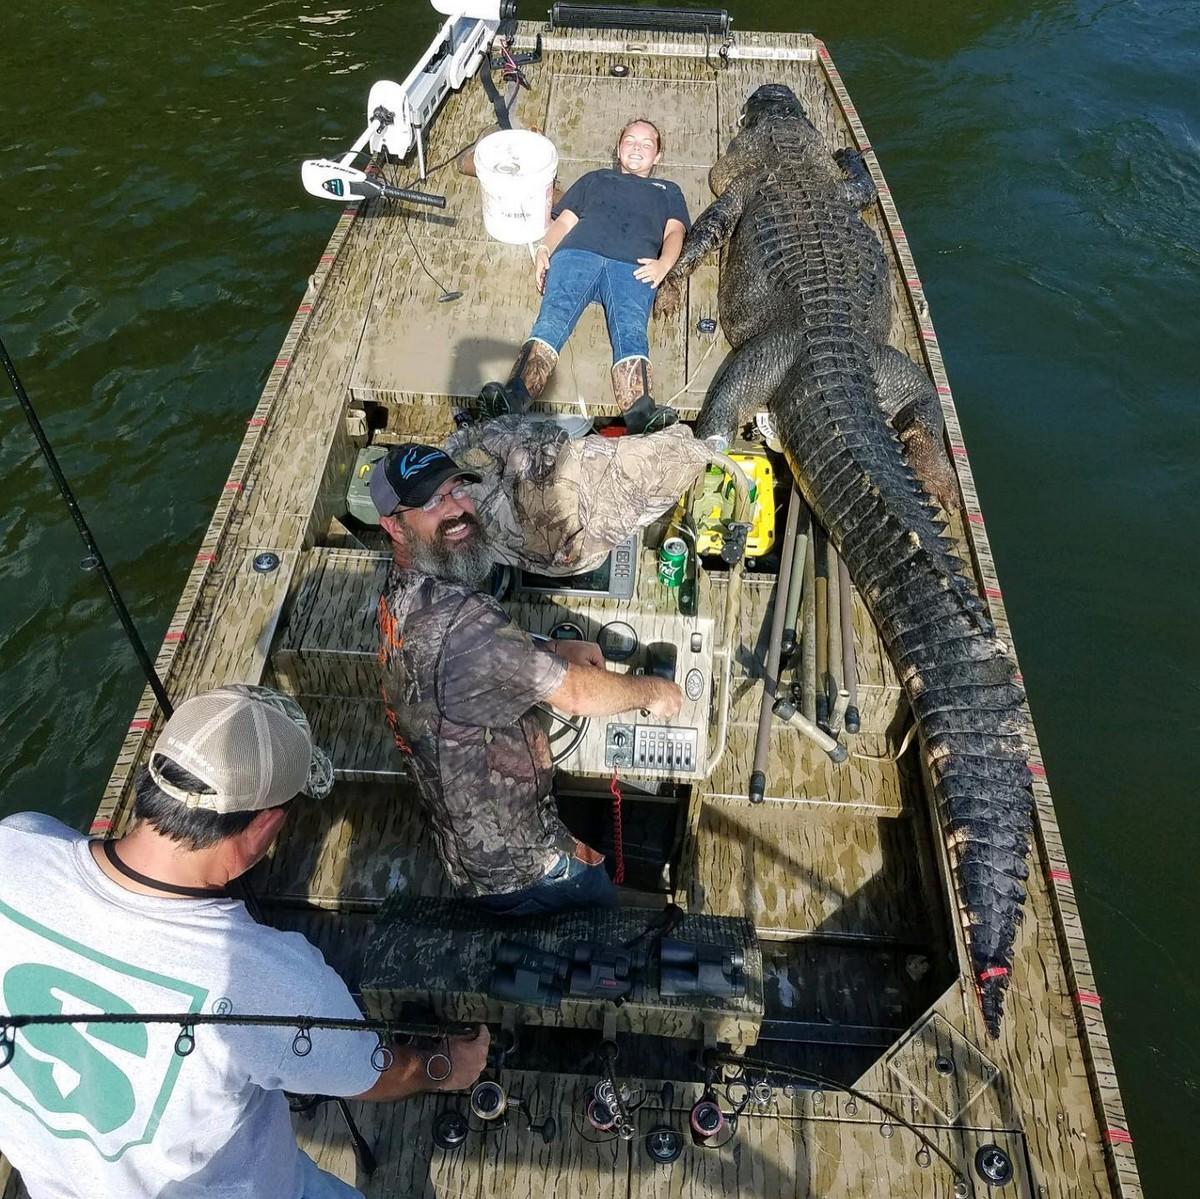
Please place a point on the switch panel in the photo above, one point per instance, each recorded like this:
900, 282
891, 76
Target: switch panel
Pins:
641, 633
666, 748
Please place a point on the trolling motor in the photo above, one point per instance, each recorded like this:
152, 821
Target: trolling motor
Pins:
399, 113
331, 180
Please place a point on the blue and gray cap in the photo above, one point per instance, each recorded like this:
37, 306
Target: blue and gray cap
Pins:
409, 474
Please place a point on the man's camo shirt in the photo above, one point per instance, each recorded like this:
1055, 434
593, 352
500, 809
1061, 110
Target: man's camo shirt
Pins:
459, 682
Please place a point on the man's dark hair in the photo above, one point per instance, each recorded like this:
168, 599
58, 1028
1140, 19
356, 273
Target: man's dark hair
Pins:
193, 828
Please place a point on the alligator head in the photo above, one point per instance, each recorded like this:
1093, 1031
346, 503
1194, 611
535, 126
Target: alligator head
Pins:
770, 102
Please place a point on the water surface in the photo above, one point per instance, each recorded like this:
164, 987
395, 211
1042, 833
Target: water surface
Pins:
154, 242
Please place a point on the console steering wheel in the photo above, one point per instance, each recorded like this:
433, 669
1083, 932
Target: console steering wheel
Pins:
566, 732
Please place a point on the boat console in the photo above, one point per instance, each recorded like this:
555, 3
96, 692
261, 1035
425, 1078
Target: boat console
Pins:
635, 619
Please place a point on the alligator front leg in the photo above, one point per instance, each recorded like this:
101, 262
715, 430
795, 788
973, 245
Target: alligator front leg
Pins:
859, 188
747, 380
911, 406
713, 228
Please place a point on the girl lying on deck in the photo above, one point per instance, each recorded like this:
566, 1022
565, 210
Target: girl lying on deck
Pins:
615, 234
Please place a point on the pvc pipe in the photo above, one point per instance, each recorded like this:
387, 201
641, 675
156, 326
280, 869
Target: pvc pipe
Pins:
733, 601
833, 685
795, 588
808, 645
762, 742
821, 595
849, 666
788, 714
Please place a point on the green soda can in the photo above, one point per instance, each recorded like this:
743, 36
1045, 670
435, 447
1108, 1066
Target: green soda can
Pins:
672, 559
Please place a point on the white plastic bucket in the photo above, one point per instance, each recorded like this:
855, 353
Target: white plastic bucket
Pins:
516, 170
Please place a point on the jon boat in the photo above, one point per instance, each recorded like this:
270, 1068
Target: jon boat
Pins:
834, 890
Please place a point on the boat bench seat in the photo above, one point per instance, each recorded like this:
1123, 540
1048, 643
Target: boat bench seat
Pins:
438, 954
328, 643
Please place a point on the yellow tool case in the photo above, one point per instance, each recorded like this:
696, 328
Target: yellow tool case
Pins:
714, 505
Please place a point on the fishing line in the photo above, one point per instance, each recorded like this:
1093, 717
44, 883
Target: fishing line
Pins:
769, 1068
94, 559
447, 295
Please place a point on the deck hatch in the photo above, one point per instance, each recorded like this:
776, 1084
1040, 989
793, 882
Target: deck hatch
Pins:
943, 1068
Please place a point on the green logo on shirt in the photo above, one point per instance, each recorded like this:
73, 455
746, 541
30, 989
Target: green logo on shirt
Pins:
105, 1083
94, 1088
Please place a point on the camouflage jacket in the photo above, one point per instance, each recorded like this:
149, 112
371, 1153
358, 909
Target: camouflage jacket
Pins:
558, 506
459, 682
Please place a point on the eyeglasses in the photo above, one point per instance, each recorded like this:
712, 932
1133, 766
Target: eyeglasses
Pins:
436, 500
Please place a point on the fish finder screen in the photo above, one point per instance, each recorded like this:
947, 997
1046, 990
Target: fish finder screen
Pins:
615, 576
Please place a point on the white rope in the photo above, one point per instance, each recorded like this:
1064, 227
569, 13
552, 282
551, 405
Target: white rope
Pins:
912, 732
695, 373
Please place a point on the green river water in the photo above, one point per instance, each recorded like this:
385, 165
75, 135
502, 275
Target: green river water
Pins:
154, 242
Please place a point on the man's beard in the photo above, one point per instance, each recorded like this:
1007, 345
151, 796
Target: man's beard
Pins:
468, 562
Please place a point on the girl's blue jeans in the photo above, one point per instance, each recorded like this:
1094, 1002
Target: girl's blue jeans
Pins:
577, 278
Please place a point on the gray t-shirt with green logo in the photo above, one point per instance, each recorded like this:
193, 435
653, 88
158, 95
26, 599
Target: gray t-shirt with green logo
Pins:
110, 1111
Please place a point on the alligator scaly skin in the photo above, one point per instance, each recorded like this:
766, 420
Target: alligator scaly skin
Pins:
805, 304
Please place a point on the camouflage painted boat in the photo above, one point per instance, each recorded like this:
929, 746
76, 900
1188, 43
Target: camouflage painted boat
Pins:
827, 909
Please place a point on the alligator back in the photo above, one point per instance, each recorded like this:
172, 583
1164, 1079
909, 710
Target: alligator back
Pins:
801, 253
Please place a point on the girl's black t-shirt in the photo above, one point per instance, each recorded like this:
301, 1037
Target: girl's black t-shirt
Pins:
621, 216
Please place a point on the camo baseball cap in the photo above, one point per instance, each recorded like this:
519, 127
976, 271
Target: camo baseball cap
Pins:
409, 474
251, 746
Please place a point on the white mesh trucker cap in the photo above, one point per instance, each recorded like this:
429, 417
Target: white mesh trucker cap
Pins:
252, 746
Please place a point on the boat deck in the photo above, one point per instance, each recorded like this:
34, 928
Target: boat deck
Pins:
839, 873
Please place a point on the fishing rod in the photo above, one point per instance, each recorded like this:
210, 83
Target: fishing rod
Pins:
188, 1022
94, 559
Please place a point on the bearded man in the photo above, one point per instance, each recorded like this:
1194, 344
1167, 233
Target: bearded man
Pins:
460, 683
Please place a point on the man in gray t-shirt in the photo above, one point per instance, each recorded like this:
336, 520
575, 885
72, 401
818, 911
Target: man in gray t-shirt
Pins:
145, 924
460, 682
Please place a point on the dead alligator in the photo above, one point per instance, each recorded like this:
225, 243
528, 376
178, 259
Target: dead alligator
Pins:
804, 301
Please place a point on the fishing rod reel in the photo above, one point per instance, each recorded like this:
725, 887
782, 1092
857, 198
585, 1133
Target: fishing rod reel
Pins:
610, 1106
490, 1105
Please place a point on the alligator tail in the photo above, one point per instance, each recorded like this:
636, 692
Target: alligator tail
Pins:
958, 677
